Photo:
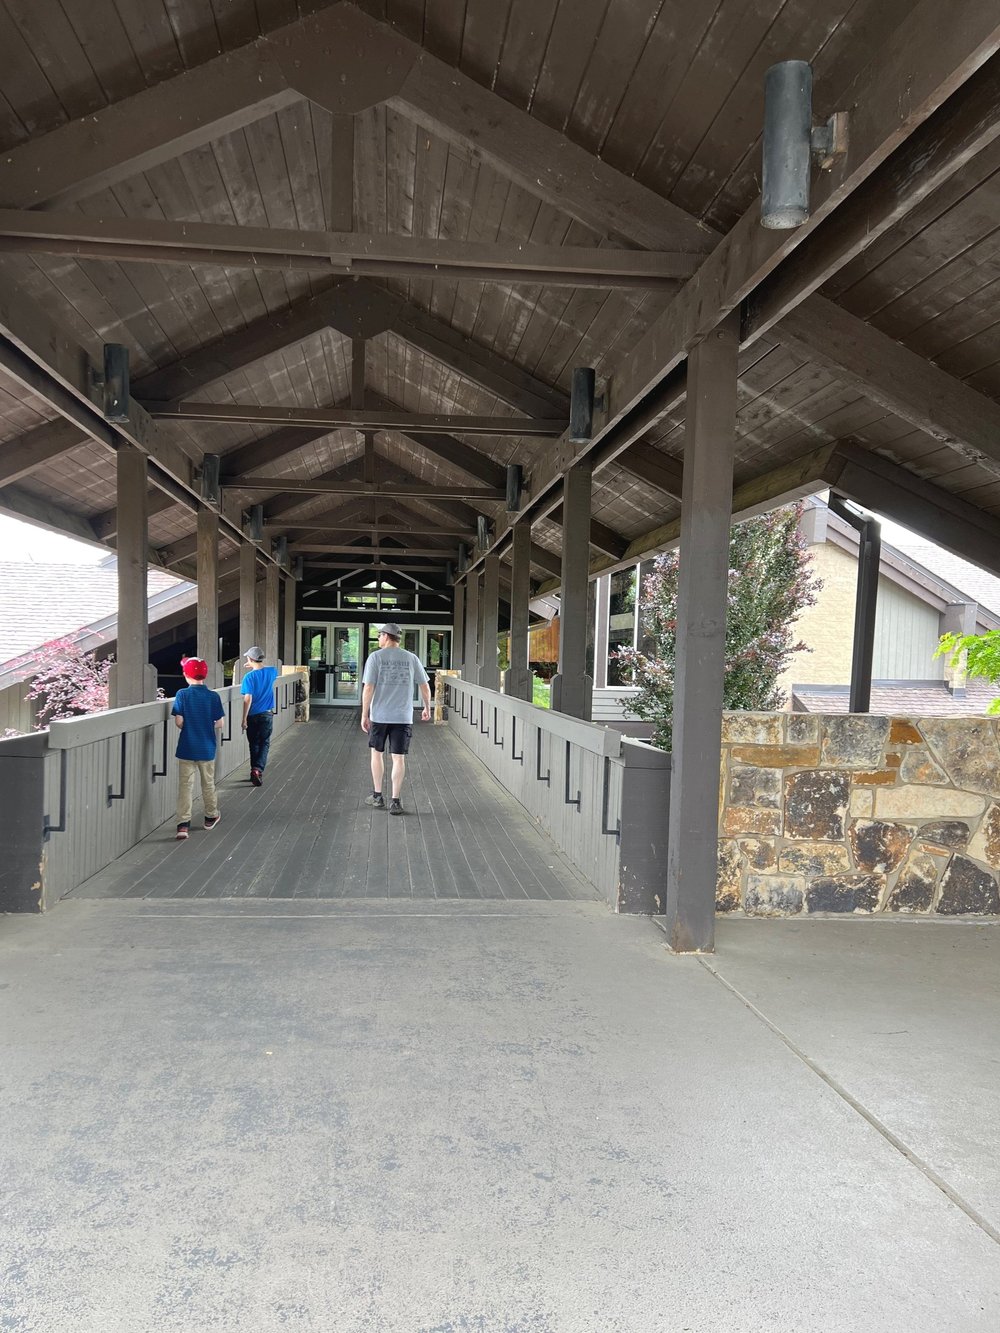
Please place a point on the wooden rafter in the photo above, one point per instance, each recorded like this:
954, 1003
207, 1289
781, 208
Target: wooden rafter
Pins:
142, 241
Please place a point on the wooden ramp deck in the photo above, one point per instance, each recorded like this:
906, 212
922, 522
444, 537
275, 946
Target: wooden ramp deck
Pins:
308, 834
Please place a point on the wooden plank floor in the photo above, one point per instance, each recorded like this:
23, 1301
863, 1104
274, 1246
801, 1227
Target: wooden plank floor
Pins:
308, 834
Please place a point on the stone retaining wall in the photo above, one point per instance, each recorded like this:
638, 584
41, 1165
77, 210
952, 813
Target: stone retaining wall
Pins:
856, 813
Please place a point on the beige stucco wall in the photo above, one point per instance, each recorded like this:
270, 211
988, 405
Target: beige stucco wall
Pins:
828, 627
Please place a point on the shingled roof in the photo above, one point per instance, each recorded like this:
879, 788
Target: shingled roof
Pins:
41, 602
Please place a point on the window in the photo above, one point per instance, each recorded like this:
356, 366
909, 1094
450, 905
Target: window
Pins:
621, 622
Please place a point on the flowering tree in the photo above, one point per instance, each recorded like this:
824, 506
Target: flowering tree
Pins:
68, 682
769, 584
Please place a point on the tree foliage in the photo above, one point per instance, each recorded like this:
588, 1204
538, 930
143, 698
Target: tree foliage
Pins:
67, 682
770, 581
981, 654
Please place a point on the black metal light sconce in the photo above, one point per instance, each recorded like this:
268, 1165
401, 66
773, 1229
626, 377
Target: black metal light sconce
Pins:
581, 404
792, 145
255, 523
115, 384
211, 469
515, 487
463, 558
281, 551
482, 531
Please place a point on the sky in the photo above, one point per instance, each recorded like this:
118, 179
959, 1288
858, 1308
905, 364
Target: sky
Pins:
23, 541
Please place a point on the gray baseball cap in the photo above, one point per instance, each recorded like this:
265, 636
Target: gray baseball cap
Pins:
392, 629
254, 653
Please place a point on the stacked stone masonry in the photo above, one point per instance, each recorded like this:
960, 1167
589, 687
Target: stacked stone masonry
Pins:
856, 813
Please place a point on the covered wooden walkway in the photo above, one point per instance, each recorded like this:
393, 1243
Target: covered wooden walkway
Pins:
308, 834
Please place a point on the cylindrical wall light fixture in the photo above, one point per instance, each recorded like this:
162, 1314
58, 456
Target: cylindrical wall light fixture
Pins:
784, 201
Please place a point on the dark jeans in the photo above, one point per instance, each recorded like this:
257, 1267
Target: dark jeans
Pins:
259, 737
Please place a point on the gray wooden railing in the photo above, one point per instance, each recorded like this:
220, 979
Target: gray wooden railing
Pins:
602, 797
75, 797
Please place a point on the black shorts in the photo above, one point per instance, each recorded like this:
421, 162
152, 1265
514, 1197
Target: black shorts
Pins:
397, 734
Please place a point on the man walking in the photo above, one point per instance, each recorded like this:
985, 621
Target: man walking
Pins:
387, 711
257, 688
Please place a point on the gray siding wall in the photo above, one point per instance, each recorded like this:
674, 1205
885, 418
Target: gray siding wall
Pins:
906, 636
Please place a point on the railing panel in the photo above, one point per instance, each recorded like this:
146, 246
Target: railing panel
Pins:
552, 764
103, 783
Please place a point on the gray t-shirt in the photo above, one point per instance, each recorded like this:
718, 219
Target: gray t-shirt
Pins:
393, 672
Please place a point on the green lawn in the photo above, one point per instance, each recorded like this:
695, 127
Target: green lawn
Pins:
540, 693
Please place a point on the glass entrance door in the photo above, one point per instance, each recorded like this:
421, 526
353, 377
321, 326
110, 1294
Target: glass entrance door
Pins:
346, 655
313, 640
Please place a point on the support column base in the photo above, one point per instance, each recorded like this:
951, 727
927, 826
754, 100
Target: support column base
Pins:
519, 684
573, 695
149, 681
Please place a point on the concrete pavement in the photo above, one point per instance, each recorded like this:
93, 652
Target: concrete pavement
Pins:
468, 1117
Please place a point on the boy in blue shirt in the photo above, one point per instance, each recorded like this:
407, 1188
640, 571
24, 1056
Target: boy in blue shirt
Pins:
257, 688
199, 715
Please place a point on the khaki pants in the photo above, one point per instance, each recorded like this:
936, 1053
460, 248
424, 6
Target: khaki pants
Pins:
205, 768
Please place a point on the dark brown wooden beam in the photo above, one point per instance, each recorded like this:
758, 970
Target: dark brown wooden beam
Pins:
363, 529
601, 536
147, 241
410, 423
374, 552
415, 490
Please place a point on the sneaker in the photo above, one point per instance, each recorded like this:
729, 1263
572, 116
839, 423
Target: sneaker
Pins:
395, 807
375, 801
256, 777
182, 831
212, 820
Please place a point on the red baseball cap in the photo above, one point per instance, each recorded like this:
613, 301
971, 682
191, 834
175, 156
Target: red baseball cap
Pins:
194, 668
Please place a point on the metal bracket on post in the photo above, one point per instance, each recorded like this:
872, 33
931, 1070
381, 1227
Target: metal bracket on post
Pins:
615, 832
229, 722
48, 828
547, 778
119, 795
566, 796
162, 772
517, 758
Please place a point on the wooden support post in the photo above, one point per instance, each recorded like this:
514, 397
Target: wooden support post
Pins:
706, 508
260, 613
458, 627
572, 688
131, 677
248, 604
470, 665
489, 672
271, 592
519, 682
289, 648
208, 592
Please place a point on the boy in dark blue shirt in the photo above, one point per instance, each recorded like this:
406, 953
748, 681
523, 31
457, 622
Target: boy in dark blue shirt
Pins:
257, 688
199, 715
